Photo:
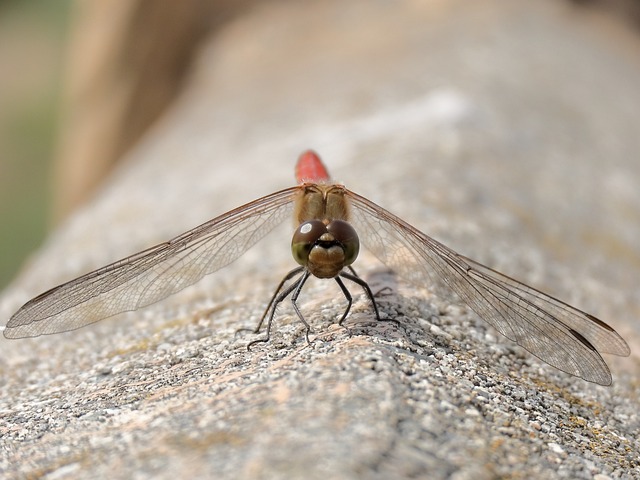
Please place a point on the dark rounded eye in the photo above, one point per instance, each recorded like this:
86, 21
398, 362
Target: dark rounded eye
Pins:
305, 236
346, 236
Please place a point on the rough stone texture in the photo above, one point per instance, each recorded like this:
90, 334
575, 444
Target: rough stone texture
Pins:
509, 130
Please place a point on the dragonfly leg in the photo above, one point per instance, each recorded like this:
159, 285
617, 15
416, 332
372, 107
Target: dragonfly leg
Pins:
287, 277
274, 298
277, 297
353, 276
349, 298
298, 288
365, 286
388, 290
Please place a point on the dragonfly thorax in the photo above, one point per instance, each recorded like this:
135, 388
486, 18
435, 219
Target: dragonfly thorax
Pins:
325, 248
317, 201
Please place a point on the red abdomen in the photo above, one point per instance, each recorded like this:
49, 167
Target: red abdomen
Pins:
310, 168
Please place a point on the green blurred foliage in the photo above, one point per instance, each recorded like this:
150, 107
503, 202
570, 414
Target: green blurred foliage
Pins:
32, 50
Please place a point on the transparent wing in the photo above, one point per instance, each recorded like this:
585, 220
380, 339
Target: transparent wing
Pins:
153, 274
558, 334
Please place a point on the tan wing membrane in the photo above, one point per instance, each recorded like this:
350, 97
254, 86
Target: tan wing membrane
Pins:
558, 334
153, 274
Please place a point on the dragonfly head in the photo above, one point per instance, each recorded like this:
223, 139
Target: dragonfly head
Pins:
325, 248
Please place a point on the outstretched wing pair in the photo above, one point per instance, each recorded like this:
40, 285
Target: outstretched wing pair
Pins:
558, 334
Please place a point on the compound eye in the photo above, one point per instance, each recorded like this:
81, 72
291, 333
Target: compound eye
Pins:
346, 236
304, 238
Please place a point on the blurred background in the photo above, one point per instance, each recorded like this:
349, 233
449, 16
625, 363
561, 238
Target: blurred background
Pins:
80, 83
33, 39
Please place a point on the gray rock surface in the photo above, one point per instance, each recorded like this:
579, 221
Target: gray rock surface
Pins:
508, 130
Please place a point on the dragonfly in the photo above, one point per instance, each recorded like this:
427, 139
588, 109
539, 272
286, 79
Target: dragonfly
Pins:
330, 222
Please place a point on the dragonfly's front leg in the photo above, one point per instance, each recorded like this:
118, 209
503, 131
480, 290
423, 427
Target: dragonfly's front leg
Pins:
353, 276
273, 302
270, 310
298, 288
349, 298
